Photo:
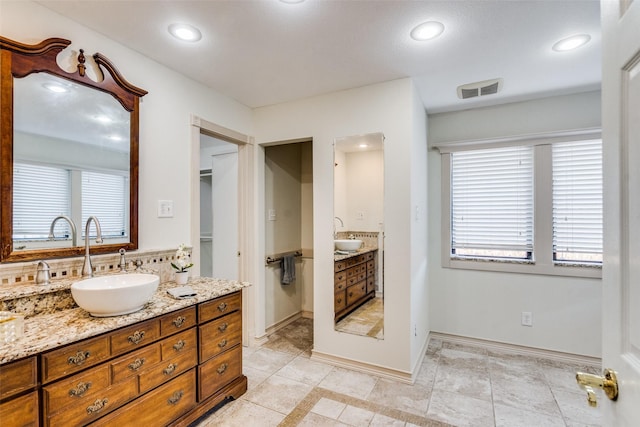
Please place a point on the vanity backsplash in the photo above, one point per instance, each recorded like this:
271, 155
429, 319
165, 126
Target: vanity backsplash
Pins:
20, 294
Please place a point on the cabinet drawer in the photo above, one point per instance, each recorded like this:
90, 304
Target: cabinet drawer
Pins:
218, 372
179, 344
129, 365
370, 255
220, 335
371, 284
166, 370
356, 292
72, 358
21, 411
73, 391
339, 301
371, 265
158, 408
362, 275
135, 336
352, 272
340, 286
219, 307
17, 376
340, 276
339, 265
177, 321
94, 405
352, 281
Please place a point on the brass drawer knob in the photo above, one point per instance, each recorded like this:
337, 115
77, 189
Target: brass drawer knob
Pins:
179, 345
170, 369
79, 358
175, 397
179, 321
136, 364
222, 306
136, 337
80, 389
223, 343
97, 406
223, 327
222, 368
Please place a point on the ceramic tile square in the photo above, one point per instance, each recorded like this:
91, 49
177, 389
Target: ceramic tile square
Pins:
328, 408
304, 370
315, 420
462, 359
574, 407
473, 383
404, 397
507, 416
242, 413
279, 394
254, 376
380, 420
351, 383
524, 393
267, 360
460, 410
356, 416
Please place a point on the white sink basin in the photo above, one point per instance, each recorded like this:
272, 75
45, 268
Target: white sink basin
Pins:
348, 245
116, 294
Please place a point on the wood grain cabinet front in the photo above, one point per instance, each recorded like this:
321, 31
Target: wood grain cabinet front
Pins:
354, 282
218, 372
21, 411
220, 335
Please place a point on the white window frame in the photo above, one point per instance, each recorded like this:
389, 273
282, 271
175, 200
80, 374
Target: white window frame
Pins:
543, 263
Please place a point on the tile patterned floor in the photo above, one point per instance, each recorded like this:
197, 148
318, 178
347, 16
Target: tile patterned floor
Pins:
457, 385
368, 319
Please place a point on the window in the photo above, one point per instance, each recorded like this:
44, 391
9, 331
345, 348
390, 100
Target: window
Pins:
41, 193
492, 203
531, 206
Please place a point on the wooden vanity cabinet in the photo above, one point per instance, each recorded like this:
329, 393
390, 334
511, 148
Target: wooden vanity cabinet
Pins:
18, 394
354, 282
169, 370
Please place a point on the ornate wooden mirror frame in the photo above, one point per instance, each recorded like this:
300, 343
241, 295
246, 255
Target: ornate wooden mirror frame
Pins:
19, 60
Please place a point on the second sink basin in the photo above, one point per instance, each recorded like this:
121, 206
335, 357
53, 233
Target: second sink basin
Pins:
115, 294
349, 245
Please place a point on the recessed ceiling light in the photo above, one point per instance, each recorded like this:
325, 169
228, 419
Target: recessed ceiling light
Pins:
363, 145
56, 88
185, 32
571, 43
427, 30
292, 1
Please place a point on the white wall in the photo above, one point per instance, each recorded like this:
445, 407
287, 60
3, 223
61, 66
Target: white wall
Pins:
488, 305
385, 108
164, 116
364, 182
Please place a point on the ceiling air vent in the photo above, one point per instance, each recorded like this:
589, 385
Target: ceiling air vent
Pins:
486, 87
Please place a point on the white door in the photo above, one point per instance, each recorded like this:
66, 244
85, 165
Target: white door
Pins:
224, 198
621, 272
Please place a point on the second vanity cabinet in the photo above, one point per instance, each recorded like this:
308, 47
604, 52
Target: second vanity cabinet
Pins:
354, 282
167, 370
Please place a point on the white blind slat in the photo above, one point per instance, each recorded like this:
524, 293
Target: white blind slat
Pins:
103, 196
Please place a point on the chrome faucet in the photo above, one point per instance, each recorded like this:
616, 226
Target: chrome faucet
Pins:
74, 235
87, 269
123, 261
335, 232
43, 273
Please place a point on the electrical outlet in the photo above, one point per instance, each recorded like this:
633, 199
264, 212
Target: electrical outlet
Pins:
360, 215
527, 318
165, 208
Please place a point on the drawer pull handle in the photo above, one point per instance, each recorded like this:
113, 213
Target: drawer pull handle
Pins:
97, 406
223, 327
179, 345
222, 368
179, 321
223, 343
136, 337
170, 369
175, 397
222, 306
80, 389
339, 300
79, 358
136, 364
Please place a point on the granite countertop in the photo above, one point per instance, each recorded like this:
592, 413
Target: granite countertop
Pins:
340, 257
48, 331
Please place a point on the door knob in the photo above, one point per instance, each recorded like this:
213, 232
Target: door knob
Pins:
608, 382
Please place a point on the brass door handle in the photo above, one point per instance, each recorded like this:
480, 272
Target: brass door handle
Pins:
608, 382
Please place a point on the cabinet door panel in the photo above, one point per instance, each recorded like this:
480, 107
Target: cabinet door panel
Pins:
17, 376
72, 391
219, 371
21, 411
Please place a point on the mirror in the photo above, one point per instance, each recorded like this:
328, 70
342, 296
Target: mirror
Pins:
359, 235
69, 150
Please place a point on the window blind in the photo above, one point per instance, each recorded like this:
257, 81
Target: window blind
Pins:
103, 196
577, 201
492, 202
40, 193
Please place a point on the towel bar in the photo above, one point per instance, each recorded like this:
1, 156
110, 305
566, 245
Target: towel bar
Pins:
278, 257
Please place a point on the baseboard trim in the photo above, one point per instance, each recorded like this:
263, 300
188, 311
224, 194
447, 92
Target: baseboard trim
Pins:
518, 349
367, 368
307, 314
284, 322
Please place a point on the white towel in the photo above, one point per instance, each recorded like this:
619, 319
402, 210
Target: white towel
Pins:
288, 269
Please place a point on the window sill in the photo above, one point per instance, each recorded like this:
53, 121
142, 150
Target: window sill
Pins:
525, 267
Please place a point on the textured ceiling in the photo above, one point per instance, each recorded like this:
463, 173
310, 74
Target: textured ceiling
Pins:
263, 52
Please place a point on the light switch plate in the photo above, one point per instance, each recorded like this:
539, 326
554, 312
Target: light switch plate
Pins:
165, 208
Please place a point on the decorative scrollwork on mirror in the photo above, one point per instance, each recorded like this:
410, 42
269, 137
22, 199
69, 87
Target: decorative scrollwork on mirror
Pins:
68, 150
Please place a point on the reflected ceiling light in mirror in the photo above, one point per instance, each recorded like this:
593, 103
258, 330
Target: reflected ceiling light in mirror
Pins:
363, 145
571, 43
427, 31
185, 32
115, 137
103, 119
55, 88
